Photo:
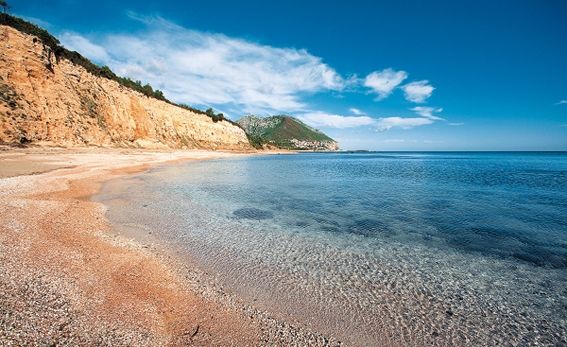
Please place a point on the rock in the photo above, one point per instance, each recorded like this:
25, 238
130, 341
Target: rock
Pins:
193, 332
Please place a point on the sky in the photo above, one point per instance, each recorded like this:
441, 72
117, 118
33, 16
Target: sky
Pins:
376, 75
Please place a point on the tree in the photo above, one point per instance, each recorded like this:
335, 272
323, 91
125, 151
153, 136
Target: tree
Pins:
158, 94
214, 116
147, 90
107, 73
4, 5
210, 112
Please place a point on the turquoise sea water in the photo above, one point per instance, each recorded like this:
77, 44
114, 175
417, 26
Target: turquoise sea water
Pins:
374, 248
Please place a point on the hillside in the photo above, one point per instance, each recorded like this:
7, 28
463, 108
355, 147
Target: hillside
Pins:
51, 96
286, 132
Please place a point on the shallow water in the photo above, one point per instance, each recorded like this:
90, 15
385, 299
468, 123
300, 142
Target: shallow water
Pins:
406, 249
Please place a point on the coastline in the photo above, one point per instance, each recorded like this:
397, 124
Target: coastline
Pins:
68, 278
384, 287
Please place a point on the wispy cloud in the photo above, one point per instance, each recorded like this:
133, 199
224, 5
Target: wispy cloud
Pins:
418, 91
321, 119
456, 124
326, 120
385, 81
207, 68
561, 102
84, 46
425, 116
427, 112
388, 123
242, 76
356, 111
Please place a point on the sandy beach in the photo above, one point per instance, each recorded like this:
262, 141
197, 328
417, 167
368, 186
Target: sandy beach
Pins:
67, 279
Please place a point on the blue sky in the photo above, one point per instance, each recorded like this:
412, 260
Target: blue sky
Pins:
396, 75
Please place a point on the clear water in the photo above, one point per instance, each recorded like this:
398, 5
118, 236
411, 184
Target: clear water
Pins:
401, 249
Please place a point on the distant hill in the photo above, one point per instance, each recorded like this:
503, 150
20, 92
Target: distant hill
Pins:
285, 132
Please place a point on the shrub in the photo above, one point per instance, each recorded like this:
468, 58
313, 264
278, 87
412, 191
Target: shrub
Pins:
217, 117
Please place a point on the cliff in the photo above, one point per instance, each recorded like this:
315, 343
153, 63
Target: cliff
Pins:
51, 101
287, 133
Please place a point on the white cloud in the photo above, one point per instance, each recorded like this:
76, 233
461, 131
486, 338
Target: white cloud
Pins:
204, 68
85, 47
241, 76
393, 140
561, 102
325, 120
356, 111
427, 112
388, 123
418, 91
321, 119
385, 81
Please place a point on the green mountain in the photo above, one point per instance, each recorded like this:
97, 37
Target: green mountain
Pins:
285, 132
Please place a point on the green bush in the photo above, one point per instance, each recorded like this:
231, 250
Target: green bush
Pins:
217, 117
256, 141
192, 109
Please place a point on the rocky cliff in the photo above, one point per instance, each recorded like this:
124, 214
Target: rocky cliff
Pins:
51, 101
286, 132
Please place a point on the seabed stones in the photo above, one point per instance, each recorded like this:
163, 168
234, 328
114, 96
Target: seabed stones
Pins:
252, 213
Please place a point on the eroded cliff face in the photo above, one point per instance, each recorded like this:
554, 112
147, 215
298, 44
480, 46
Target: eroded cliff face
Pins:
47, 102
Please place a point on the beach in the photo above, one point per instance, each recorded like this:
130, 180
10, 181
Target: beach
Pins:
131, 247
68, 279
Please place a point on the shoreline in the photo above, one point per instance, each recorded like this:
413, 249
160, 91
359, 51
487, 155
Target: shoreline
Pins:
69, 278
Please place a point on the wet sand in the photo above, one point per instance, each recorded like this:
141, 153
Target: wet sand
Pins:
67, 279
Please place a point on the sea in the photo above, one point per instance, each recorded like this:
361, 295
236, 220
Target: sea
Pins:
373, 248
